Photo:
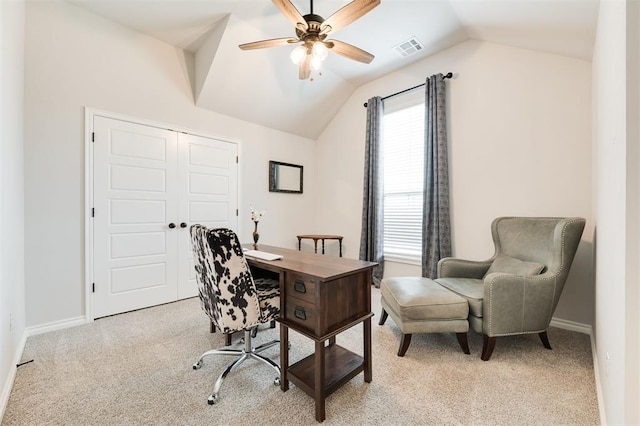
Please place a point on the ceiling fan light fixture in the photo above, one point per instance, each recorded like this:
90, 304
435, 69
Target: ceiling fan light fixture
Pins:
320, 51
312, 31
298, 54
316, 63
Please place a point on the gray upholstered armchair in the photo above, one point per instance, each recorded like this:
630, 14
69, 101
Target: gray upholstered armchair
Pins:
517, 290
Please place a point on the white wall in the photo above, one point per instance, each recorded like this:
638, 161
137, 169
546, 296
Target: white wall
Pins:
12, 298
520, 144
616, 186
76, 59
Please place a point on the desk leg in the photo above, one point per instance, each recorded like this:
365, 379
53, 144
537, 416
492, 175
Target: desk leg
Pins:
368, 376
315, 245
319, 391
284, 357
323, 246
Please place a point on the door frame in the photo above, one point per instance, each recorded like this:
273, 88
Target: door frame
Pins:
89, 114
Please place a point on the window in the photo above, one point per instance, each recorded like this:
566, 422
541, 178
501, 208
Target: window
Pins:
403, 156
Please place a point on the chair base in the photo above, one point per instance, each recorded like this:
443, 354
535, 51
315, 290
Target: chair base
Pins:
489, 343
227, 336
248, 352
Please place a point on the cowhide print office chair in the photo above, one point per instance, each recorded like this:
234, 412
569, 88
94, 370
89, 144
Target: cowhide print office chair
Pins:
230, 296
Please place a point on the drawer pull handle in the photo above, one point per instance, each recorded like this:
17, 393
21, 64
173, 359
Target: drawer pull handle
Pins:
298, 286
300, 313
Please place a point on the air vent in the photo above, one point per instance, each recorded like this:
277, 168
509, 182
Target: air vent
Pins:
408, 47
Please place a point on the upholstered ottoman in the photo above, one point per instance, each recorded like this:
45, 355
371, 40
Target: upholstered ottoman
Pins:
420, 305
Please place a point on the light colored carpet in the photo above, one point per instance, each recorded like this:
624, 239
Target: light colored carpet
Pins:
135, 369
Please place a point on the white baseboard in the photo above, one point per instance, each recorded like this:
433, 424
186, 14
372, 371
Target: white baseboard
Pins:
571, 326
586, 329
55, 325
596, 372
8, 384
31, 331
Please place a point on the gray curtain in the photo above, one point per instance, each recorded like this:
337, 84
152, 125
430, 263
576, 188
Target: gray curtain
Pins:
372, 204
436, 229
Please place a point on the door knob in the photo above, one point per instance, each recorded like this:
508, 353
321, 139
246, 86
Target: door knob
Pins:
172, 225
183, 225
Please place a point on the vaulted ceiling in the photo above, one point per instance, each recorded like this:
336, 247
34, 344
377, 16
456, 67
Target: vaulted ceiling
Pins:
262, 86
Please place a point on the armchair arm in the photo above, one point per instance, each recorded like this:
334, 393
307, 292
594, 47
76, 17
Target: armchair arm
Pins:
460, 268
516, 304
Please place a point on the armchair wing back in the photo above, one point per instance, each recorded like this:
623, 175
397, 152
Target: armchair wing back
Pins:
505, 301
552, 242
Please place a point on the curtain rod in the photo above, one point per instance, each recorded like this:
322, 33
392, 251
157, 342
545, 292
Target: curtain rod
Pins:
448, 75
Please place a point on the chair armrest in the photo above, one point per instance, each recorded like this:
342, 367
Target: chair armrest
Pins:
515, 304
460, 268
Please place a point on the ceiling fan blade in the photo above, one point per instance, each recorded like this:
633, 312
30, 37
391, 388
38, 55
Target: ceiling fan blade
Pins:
305, 68
268, 43
289, 10
348, 14
349, 51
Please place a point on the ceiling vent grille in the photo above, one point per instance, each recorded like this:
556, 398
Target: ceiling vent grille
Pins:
409, 47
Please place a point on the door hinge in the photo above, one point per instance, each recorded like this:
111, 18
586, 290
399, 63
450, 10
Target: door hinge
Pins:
93, 136
93, 287
237, 159
93, 212
236, 212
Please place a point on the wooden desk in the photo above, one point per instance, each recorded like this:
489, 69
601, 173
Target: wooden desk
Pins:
316, 237
320, 298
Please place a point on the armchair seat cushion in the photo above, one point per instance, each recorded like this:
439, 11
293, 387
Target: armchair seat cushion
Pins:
511, 265
471, 289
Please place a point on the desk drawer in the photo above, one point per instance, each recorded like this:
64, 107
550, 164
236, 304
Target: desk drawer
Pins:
300, 287
302, 313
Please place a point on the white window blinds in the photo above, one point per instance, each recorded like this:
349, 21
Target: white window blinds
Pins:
403, 154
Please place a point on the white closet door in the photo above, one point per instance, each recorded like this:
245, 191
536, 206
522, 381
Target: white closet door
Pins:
135, 200
208, 195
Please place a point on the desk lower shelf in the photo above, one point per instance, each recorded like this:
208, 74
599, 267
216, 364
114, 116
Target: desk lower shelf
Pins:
341, 365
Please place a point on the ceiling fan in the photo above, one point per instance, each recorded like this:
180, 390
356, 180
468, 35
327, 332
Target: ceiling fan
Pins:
312, 31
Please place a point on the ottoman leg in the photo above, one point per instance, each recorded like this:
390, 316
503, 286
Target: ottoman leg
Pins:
404, 344
383, 317
464, 343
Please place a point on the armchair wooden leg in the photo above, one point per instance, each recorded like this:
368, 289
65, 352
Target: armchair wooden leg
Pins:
383, 317
404, 344
272, 324
227, 339
488, 344
545, 339
464, 342
212, 327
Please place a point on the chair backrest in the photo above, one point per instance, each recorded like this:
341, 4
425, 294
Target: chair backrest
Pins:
227, 291
551, 241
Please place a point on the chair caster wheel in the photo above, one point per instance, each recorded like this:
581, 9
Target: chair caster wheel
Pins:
212, 399
276, 382
197, 365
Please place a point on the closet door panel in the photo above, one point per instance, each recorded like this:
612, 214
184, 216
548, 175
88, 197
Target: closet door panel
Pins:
208, 195
135, 198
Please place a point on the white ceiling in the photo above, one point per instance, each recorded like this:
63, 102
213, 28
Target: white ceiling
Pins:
262, 86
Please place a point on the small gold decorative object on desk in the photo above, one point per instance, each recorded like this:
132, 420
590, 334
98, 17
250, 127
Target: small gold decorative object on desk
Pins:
255, 217
316, 237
